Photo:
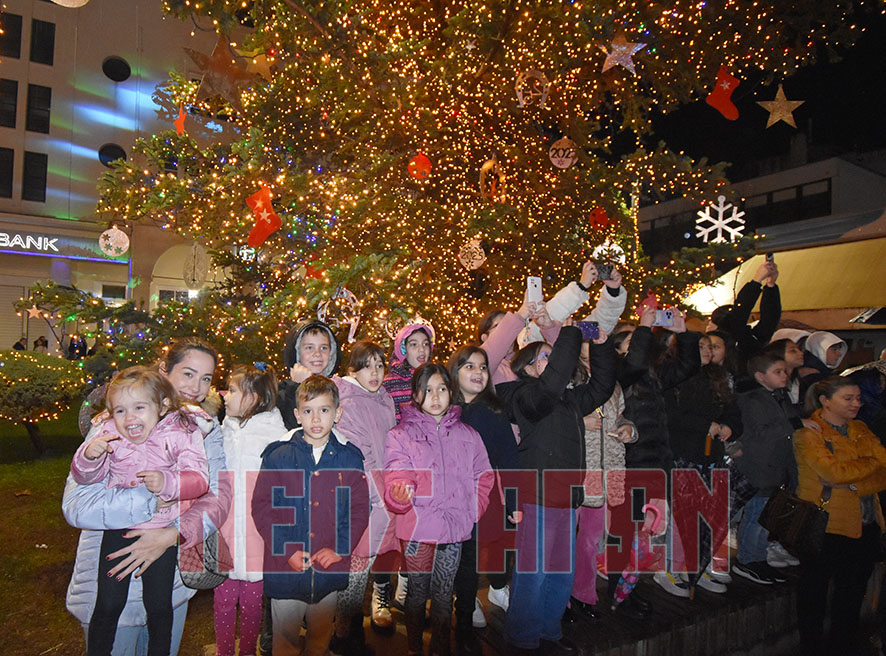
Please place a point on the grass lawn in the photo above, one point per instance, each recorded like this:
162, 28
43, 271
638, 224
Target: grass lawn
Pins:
40, 547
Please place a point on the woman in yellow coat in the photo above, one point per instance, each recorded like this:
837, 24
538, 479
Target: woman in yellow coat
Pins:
845, 455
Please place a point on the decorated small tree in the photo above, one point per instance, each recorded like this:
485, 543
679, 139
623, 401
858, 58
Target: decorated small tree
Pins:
35, 387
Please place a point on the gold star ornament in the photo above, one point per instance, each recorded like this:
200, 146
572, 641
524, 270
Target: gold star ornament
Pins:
621, 53
221, 77
780, 109
34, 312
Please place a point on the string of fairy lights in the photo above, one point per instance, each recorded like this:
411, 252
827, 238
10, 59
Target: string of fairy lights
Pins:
36, 387
357, 89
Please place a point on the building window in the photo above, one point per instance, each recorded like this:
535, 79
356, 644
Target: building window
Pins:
39, 104
10, 35
6, 156
42, 42
34, 177
116, 68
167, 295
8, 101
114, 294
110, 152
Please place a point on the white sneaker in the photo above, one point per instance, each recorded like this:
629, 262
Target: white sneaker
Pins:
672, 583
380, 608
501, 597
778, 556
705, 582
719, 577
478, 619
400, 596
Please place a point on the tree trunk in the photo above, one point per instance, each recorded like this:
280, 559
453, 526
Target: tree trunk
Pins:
36, 437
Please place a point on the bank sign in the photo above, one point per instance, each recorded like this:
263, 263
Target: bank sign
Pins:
54, 245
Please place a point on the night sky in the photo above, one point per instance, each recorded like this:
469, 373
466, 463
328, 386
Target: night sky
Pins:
843, 112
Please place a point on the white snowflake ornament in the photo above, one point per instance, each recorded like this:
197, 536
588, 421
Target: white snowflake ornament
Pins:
721, 221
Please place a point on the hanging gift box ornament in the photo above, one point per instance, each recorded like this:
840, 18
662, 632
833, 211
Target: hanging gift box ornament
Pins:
420, 166
113, 242
472, 256
563, 153
532, 88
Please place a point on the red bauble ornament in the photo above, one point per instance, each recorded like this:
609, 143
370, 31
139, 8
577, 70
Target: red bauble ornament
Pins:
598, 218
420, 166
271, 52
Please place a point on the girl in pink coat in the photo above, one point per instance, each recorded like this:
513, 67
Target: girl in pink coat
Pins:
437, 479
147, 441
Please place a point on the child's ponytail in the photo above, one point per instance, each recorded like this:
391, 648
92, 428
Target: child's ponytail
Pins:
259, 379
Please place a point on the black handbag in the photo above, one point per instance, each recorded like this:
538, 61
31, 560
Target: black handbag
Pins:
798, 525
204, 565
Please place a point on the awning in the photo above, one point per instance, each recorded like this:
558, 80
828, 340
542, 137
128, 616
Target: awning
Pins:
823, 286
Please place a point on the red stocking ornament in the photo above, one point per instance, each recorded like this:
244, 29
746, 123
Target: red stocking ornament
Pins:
721, 97
266, 220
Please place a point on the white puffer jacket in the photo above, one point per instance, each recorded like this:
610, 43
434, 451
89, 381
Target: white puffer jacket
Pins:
244, 444
96, 508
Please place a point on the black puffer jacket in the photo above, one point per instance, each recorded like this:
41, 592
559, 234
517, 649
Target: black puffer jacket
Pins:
750, 340
644, 396
692, 407
550, 415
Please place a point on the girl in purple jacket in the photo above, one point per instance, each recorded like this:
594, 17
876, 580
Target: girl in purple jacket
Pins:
437, 480
146, 441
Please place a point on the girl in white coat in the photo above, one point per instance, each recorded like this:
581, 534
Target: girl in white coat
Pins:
252, 423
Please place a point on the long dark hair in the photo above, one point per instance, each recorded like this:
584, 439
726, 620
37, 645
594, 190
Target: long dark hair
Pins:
180, 348
420, 378
525, 356
457, 360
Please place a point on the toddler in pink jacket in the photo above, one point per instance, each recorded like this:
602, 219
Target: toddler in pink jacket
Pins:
147, 441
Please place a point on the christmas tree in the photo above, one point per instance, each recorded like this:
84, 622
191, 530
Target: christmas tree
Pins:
400, 158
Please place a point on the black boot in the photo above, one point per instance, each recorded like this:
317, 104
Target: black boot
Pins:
467, 642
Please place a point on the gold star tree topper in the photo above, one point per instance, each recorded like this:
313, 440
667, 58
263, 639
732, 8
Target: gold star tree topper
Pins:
780, 109
621, 53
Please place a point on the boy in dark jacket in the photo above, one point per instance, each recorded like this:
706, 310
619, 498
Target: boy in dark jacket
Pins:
311, 505
767, 459
311, 350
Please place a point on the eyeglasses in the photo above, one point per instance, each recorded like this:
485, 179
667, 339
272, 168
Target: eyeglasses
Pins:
542, 355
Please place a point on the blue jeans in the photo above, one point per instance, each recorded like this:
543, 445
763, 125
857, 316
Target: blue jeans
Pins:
752, 538
543, 576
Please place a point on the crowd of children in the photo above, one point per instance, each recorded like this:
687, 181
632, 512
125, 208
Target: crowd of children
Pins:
525, 439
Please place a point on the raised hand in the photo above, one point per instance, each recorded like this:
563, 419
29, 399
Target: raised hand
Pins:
588, 274
100, 445
614, 280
